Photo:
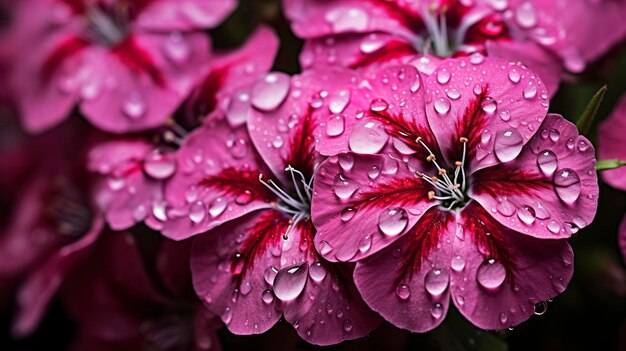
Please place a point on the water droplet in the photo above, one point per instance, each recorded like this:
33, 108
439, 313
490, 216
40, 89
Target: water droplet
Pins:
227, 315
505, 207
403, 291
278, 142
378, 105
477, 58
140, 213
491, 274
135, 106
477, 89
159, 166
553, 226
346, 161
217, 207
508, 145
514, 76
270, 274
554, 135
267, 296
443, 76
176, 48
526, 16
245, 288
324, 247
436, 311
335, 125
457, 263
365, 243
372, 43
290, 282
244, 198
116, 183
347, 19
541, 308
583, 145
368, 137
268, 93
197, 212
547, 162
570, 143
392, 221
505, 115
442, 105
453, 93
526, 214
530, 91
317, 272
503, 317
436, 281
488, 104
567, 185
344, 187
373, 172
347, 325
339, 101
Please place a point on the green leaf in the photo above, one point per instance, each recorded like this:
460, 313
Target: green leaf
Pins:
603, 165
457, 334
586, 119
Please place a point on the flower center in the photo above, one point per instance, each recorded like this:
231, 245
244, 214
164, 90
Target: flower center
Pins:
450, 191
296, 204
107, 26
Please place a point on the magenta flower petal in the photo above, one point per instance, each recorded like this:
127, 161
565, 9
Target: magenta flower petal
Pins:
502, 277
496, 105
246, 272
364, 203
622, 238
611, 144
184, 14
408, 283
37, 291
217, 180
550, 190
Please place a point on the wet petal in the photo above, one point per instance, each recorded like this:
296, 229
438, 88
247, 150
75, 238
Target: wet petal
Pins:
611, 144
184, 15
550, 190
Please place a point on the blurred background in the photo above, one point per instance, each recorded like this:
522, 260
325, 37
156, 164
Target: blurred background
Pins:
589, 315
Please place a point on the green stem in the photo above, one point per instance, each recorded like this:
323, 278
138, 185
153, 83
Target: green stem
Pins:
603, 165
586, 119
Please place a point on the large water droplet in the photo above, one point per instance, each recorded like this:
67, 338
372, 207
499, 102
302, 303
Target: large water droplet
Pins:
491, 274
514, 76
457, 263
505, 207
567, 185
443, 76
347, 19
403, 291
268, 93
217, 207
197, 211
290, 282
453, 93
317, 272
176, 48
508, 145
442, 105
135, 106
346, 161
436, 281
553, 226
378, 105
540, 308
339, 101
159, 166
488, 104
526, 16
526, 214
324, 247
368, 137
436, 311
530, 91
365, 243
344, 187
371, 43
503, 317
267, 296
392, 221
547, 162
335, 125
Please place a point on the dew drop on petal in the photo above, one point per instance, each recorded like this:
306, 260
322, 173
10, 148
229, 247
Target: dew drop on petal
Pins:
378, 105
217, 207
324, 247
335, 125
348, 213
567, 185
373, 172
392, 221
290, 282
554, 135
453, 93
491, 274
227, 315
135, 106
244, 198
344, 187
365, 243
436, 311
508, 145
197, 211
159, 166
514, 76
442, 105
505, 207
267, 296
477, 58
526, 16
268, 93
457, 263
346, 161
526, 214
505, 115
176, 48
443, 76
347, 325
345, 19
547, 162
270, 274
368, 137
403, 291
339, 101
436, 281
488, 104
530, 91
553, 226
540, 308
317, 272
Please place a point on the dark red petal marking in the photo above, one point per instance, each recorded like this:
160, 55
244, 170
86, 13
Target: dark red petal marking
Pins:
401, 13
138, 59
392, 50
503, 180
489, 28
66, 49
489, 236
77, 6
302, 145
307, 233
135, 7
470, 126
204, 98
232, 181
264, 233
399, 192
423, 238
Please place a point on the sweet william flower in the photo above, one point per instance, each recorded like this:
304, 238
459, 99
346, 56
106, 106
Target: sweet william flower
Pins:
548, 36
454, 188
126, 64
260, 264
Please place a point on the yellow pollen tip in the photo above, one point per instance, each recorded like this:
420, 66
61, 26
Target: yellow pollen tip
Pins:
458, 163
463, 139
430, 157
442, 171
434, 179
431, 195
456, 186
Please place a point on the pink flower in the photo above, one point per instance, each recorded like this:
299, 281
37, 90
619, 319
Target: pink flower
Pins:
545, 35
117, 304
260, 264
610, 147
457, 187
126, 64
133, 170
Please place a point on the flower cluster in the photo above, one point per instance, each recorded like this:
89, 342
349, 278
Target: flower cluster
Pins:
168, 189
